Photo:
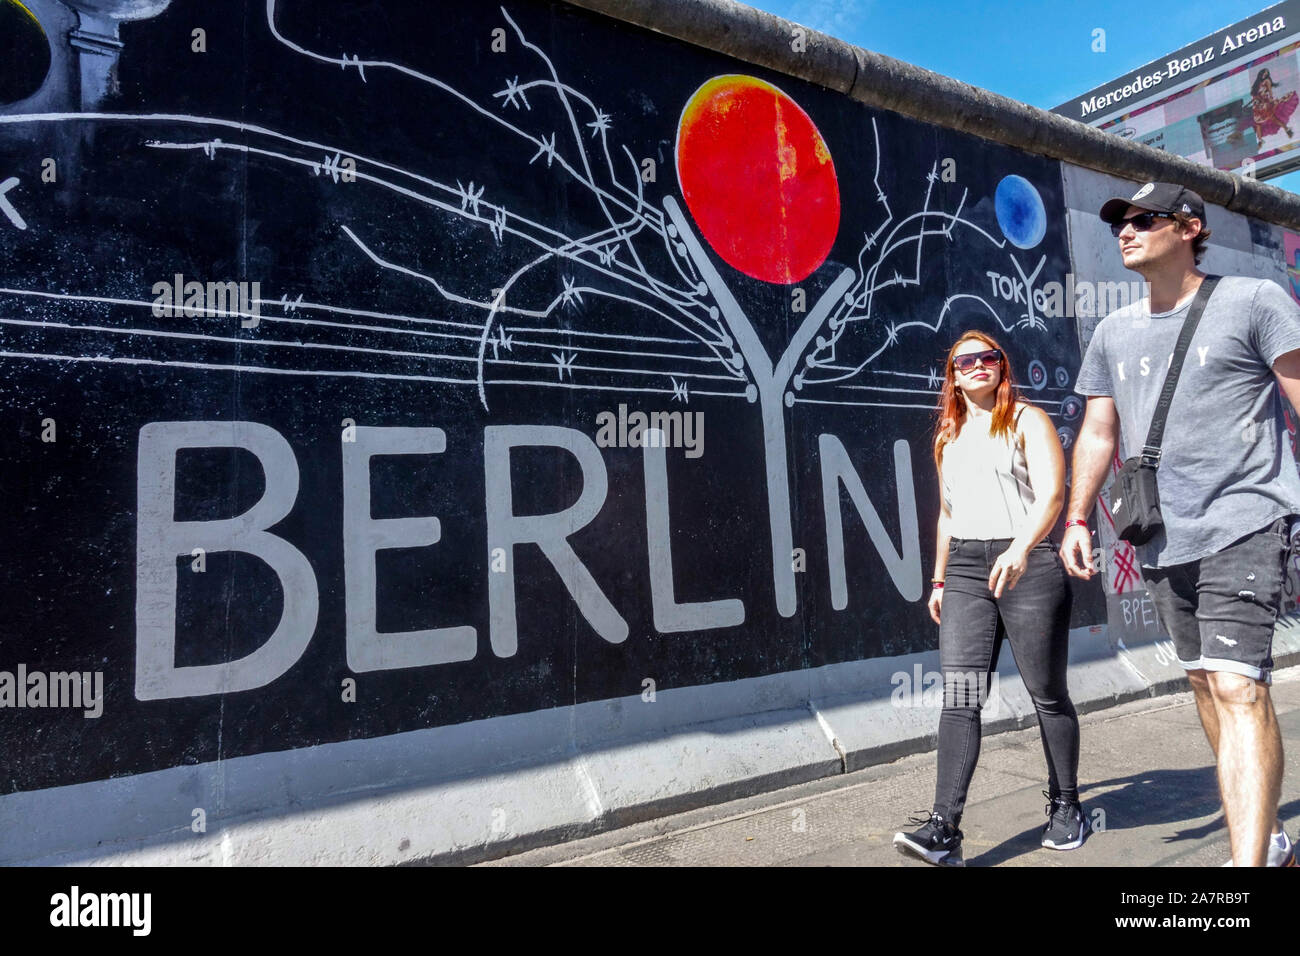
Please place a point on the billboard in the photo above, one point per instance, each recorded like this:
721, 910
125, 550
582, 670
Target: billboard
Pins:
1228, 100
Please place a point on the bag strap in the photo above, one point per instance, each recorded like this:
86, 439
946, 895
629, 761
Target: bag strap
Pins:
1151, 451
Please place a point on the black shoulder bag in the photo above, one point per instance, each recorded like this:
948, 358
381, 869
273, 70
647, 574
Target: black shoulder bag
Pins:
1135, 498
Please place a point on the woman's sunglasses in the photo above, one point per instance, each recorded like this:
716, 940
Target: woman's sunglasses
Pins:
1140, 223
964, 363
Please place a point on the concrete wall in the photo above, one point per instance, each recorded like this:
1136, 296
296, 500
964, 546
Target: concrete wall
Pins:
364, 564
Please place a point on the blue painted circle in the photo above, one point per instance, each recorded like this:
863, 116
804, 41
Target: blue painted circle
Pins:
1020, 211
1037, 375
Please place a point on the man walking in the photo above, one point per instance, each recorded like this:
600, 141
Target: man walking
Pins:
1227, 479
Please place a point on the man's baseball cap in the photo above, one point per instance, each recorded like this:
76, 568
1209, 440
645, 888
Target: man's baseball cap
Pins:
1156, 197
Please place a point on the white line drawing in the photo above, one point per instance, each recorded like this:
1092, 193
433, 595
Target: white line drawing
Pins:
7, 207
706, 338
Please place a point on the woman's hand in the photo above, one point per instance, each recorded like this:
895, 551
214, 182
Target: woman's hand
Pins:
1008, 569
935, 604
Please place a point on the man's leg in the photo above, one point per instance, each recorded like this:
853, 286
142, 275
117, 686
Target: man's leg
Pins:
1250, 763
1206, 709
1174, 593
1240, 591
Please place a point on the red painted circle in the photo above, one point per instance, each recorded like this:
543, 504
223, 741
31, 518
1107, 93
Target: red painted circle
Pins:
758, 179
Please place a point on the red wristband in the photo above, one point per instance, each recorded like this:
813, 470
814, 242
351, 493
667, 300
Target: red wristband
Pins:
1076, 521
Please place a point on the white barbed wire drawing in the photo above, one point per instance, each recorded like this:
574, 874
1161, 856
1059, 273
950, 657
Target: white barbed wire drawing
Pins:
690, 339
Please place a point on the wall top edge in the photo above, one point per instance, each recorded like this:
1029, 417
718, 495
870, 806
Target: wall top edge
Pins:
879, 81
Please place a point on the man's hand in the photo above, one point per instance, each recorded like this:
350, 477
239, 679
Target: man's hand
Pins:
1076, 552
936, 604
1093, 452
1008, 569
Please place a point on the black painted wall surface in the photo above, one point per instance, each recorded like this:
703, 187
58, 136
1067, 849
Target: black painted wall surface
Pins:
380, 210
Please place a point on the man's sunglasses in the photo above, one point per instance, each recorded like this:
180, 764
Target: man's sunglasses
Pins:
1140, 223
964, 363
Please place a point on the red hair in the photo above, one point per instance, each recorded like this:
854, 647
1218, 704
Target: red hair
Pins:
952, 406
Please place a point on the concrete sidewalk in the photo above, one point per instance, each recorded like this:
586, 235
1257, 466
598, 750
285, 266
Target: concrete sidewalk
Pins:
1146, 779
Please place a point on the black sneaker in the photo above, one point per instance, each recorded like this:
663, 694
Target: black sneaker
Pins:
937, 841
1067, 827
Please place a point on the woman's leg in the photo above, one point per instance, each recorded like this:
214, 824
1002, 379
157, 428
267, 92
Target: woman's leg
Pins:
969, 638
1036, 613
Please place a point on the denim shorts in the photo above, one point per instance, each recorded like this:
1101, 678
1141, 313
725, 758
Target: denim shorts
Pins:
1220, 610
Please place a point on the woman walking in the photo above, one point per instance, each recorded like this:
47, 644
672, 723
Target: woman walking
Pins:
1001, 470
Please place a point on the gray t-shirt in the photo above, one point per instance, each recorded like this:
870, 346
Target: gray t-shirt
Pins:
1227, 468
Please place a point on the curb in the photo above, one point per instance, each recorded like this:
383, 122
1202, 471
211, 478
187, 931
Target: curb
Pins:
492, 788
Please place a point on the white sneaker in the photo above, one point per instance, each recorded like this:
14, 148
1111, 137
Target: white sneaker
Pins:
1279, 854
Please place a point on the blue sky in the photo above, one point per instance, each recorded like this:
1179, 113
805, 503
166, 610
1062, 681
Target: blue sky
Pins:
1038, 53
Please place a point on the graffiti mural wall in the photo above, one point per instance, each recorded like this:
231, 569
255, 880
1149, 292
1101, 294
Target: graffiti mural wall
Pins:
371, 367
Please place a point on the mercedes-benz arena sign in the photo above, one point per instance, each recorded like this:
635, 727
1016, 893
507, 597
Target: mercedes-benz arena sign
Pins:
1228, 100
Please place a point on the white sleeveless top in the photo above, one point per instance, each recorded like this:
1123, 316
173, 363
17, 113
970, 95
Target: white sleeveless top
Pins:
986, 483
